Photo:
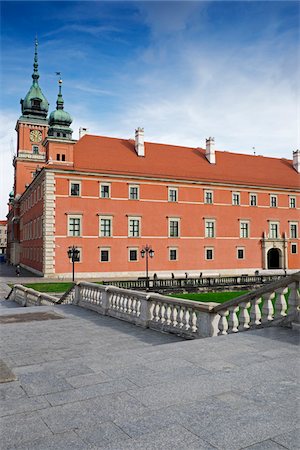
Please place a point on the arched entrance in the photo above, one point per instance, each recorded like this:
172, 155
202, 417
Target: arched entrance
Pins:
274, 258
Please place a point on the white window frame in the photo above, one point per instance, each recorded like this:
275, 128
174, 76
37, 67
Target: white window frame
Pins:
208, 191
244, 222
109, 190
173, 249
274, 222
238, 194
206, 230
135, 186
70, 188
105, 249
252, 194
290, 229
139, 220
137, 254
273, 196
74, 216
170, 189
173, 219
104, 217
237, 253
212, 249
296, 247
292, 197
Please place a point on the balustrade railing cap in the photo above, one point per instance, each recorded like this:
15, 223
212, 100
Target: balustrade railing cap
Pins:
295, 277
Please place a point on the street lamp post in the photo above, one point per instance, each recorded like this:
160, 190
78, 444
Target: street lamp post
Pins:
73, 254
147, 251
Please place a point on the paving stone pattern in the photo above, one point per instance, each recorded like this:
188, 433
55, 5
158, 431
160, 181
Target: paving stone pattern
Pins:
93, 382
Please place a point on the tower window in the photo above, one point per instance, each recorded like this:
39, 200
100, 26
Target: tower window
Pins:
58, 157
63, 157
35, 103
64, 135
35, 149
58, 134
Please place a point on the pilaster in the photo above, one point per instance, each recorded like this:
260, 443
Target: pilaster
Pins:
49, 224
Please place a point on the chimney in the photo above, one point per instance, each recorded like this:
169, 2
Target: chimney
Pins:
296, 160
82, 132
139, 142
210, 151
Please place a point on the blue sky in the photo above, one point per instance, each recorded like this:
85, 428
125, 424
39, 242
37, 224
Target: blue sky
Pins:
182, 70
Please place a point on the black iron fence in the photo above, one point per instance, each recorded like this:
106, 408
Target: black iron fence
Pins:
187, 284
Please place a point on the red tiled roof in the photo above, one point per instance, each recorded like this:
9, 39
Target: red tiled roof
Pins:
118, 156
3, 222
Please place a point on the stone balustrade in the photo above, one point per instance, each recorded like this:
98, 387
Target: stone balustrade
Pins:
274, 304
29, 297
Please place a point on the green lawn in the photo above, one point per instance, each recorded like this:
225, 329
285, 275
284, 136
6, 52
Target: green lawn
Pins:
218, 297
49, 287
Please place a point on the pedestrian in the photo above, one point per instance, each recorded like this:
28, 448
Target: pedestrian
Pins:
18, 270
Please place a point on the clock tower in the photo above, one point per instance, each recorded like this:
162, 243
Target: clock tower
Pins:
32, 129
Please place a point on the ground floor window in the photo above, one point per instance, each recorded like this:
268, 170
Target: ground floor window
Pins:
173, 254
209, 253
133, 254
104, 254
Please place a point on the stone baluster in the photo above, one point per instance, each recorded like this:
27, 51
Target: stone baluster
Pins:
167, 314
255, 312
244, 317
174, 314
280, 303
193, 321
180, 316
233, 321
134, 306
268, 309
162, 310
186, 319
223, 324
294, 302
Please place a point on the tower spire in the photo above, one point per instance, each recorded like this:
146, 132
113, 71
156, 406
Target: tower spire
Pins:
60, 100
35, 75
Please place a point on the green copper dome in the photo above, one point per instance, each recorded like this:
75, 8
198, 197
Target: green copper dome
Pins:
35, 103
60, 120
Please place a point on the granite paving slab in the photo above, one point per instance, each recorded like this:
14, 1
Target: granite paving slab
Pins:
90, 381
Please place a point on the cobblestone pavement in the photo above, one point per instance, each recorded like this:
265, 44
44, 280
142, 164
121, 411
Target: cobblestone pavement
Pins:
93, 382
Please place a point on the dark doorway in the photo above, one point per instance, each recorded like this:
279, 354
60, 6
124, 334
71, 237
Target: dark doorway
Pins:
274, 258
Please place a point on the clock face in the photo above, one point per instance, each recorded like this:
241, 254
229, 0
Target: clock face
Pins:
35, 136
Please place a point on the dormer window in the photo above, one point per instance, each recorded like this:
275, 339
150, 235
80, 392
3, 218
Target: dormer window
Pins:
36, 103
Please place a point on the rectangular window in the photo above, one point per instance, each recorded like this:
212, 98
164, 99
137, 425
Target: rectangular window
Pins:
35, 149
133, 192
253, 200
274, 230
173, 195
210, 231
173, 227
74, 189
134, 227
105, 226
208, 197
58, 157
244, 229
240, 253
273, 201
236, 198
209, 253
292, 202
105, 190
132, 254
74, 226
104, 254
173, 254
293, 230
294, 249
